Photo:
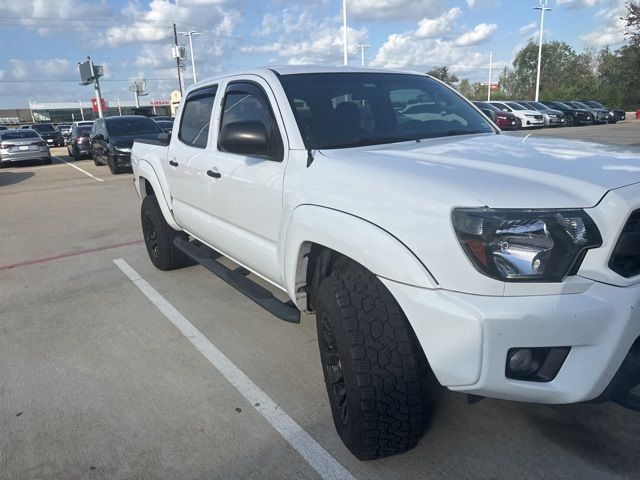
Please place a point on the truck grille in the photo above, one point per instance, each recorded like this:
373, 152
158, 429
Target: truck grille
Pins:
625, 260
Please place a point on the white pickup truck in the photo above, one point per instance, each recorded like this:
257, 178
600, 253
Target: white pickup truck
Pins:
432, 249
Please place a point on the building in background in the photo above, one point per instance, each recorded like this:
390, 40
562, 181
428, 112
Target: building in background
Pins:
58, 112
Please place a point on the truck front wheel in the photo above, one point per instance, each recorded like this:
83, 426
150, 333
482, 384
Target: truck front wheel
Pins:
376, 374
159, 236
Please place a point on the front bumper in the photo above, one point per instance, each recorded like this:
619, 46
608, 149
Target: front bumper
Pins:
466, 338
554, 121
122, 159
532, 122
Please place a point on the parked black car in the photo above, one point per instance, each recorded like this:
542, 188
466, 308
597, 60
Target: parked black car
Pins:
166, 125
573, 116
2, 127
112, 138
600, 115
78, 144
618, 114
48, 132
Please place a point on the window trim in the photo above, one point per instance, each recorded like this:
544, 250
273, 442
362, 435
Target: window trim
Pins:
197, 93
278, 153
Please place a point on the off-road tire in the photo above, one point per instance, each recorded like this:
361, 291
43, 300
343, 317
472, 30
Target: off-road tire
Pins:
376, 374
159, 236
97, 163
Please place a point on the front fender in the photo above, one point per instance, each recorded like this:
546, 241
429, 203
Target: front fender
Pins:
146, 171
366, 243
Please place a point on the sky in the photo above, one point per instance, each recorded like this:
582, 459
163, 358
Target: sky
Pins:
43, 41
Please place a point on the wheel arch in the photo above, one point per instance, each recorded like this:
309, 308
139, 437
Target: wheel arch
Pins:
149, 184
320, 240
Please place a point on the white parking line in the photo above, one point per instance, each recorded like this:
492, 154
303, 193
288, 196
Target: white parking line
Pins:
317, 457
78, 168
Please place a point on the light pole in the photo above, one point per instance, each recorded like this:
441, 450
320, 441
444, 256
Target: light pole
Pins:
345, 48
543, 8
490, 67
193, 59
362, 47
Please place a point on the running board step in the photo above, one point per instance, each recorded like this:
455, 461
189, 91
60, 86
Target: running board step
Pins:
237, 278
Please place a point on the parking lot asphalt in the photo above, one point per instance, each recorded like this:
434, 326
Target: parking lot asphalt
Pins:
96, 382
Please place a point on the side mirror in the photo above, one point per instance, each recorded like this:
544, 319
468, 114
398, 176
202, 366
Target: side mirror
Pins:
164, 138
245, 138
98, 136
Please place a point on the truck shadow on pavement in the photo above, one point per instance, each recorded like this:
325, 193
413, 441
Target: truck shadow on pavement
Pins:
604, 435
9, 178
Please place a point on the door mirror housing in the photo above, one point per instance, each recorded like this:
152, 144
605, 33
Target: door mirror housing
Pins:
164, 138
98, 136
245, 138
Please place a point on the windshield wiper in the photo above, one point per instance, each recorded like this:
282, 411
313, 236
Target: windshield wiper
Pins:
451, 133
362, 142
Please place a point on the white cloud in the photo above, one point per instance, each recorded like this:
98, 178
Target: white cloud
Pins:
611, 29
480, 3
528, 29
296, 46
432, 27
481, 33
394, 9
578, 3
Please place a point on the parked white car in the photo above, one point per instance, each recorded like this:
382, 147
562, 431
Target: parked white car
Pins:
434, 251
527, 118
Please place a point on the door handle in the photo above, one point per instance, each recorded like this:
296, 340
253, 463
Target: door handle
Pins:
172, 163
213, 174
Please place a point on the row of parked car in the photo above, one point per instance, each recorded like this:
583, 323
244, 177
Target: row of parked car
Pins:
33, 142
514, 115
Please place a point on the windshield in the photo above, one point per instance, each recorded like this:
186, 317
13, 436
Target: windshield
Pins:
121, 127
43, 128
486, 106
581, 105
340, 110
516, 106
597, 104
538, 105
17, 134
82, 130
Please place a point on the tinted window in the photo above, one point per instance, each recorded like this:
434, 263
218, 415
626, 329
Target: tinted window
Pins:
196, 117
83, 130
515, 106
128, 126
18, 134
245, 102
351, 109
44, 128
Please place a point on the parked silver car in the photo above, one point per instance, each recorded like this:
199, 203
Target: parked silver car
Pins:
24, 144
552, 118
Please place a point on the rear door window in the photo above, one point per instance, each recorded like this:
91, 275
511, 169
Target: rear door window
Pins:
196, 117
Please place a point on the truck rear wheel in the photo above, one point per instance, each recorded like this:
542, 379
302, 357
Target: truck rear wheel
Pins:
376, 374
159, 236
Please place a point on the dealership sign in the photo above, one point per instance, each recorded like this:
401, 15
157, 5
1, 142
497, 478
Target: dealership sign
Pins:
94, 105
159, 103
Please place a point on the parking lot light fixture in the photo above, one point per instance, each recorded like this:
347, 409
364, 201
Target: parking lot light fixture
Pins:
193, 60
490, 67
543, 8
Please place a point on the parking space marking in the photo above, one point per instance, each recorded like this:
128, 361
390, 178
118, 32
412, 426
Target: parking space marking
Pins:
78, 168
68, 254
317, 457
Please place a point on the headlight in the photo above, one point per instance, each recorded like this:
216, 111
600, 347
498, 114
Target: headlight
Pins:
525, 245
123, 150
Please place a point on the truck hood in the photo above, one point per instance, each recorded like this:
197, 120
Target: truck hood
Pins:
500, 171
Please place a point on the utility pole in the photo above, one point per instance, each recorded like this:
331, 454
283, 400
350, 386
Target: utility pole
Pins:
362, 47
81, 110
193, 58
177, 55
490, 67
543, 8
90, 73
139, 89
96, 87
345, 47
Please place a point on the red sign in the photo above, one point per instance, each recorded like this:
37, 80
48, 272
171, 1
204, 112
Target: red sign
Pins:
94, 105
159, 103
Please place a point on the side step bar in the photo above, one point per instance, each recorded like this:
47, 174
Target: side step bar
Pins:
238, 279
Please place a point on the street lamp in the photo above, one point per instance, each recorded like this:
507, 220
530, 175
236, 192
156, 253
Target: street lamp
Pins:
490, 67
543, 8
193, 60
362, 47
345, 49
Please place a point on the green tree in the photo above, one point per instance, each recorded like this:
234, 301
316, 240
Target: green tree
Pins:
443, 73
632, 20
